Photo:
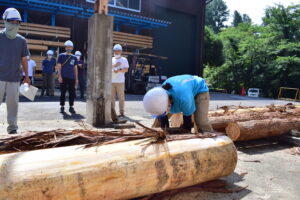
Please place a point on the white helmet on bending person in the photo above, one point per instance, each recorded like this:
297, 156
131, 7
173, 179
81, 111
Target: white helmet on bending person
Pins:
156, 101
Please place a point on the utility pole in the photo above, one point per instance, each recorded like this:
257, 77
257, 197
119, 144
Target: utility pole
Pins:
100, 34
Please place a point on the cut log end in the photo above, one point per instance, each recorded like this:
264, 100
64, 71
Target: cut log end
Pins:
233, 131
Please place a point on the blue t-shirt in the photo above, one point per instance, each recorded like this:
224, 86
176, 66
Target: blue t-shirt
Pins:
184, 89
49, 66
68, 69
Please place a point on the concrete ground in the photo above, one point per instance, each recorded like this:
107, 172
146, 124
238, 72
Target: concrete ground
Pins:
276, 176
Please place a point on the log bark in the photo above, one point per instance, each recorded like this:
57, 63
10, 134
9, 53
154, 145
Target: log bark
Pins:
117, 171
257, 129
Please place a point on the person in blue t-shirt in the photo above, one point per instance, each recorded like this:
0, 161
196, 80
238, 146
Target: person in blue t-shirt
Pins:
67, 76
48, 67
185, 94
81, 74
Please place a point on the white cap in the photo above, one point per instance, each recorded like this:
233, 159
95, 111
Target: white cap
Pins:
156, 101
117, 47
77, 53
69, 43
12, 14
50, 52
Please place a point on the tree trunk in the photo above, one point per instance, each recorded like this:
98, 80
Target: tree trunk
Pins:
256, 129
117, 171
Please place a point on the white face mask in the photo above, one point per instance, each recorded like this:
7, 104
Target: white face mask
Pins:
11, 30
78, 57
117, 56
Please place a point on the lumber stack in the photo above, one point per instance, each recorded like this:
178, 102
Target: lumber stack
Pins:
133, 40
242, 124
115, 171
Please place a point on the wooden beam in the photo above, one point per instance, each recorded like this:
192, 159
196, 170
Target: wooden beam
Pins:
101, 7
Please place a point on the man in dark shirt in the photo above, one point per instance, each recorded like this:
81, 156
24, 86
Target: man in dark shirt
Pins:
13, 52
48, 67
81, 74
67, 76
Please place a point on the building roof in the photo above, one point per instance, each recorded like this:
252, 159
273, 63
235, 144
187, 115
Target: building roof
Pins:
77, 9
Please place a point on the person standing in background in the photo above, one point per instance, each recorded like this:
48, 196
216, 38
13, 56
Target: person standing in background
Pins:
81, 74
13, 52
119, 68
67, 76
31, 69
48, 67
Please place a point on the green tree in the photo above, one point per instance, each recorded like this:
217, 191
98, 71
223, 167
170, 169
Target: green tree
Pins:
216, 14
246, 19
266, 57
284, 21
237, 19
213, 48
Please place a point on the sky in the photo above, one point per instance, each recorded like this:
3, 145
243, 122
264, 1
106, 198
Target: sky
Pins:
254, 8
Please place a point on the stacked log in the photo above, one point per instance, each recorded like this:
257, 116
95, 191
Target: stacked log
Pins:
256, 129
115, 171
251, 123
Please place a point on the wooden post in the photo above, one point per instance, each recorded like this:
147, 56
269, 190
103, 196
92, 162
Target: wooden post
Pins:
98, 110
101, 7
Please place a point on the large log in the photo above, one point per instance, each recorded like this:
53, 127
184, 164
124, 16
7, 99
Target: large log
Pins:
117, 171
257, 129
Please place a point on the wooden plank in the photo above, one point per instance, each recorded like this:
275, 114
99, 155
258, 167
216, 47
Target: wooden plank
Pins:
42, 26
22, 28
45, 42
50, 32
133, 40
124, 43
130, 34
134, 37
133, 43
43, 34
37, 47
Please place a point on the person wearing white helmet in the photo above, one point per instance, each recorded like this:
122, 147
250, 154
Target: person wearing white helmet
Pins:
81, 74
185, 94
119, 68
13, 53
48, 67
67, 76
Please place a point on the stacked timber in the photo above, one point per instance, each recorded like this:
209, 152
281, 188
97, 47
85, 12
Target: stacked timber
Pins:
250, 123
114, 171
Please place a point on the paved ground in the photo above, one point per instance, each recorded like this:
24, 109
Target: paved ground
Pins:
275, 177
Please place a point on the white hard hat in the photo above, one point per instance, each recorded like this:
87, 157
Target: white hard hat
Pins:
77, 53
11, 14
156, 101
117, 47
69, 43
50, 52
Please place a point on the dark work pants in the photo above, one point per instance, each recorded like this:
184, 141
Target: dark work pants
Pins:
67, 84
81, 80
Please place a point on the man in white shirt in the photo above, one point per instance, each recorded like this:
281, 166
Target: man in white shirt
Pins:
31, 66
119, 68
